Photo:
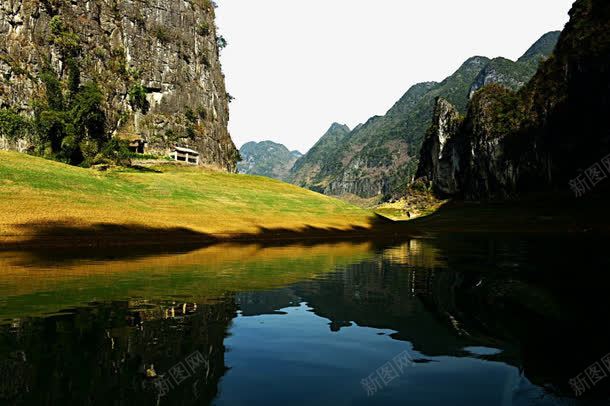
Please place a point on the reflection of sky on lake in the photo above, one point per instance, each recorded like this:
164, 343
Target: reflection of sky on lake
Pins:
482, 320
299, 359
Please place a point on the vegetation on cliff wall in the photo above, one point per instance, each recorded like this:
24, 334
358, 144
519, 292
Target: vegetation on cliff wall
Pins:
155, 64
541, 137
381, 156
313, 168
69, 125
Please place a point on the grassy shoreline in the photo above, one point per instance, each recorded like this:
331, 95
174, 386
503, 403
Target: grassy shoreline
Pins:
49, 204
39, 197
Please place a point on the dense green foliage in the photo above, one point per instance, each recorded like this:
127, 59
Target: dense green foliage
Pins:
308, 170
64, 38
70, 131
67, 125
69, 120
137, 98
13, 126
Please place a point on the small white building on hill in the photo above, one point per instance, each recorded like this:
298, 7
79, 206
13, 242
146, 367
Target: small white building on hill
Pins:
186, 155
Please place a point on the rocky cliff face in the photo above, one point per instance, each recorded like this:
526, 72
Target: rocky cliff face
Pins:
267, 158
486, 156
541, 138
155, 61
439, 161
474, 156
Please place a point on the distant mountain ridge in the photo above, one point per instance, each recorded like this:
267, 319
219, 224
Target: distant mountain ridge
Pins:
267, 158
381, 156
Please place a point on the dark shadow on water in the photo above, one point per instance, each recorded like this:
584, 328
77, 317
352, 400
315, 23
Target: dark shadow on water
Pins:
540, 299
63, 242
547, 214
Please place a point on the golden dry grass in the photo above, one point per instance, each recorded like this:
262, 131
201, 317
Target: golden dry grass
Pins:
415, 204
35, 192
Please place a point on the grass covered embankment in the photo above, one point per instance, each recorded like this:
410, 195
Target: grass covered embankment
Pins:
41, 198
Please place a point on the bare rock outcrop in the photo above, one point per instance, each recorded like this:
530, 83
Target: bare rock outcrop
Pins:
166, 50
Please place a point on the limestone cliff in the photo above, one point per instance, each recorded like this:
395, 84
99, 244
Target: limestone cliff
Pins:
156, 62
540, 138
439, 161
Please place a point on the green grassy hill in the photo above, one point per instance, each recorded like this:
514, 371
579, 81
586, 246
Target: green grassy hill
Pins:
36, 194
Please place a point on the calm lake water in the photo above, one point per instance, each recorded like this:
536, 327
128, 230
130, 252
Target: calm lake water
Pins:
454, 320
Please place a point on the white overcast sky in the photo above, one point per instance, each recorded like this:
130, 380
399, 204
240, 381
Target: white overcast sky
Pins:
296, 66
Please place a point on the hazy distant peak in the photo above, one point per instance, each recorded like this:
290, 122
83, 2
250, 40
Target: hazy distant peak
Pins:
262, 144
267, 158
249, 144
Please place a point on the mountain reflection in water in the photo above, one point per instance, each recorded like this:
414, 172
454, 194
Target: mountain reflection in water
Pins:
484, 320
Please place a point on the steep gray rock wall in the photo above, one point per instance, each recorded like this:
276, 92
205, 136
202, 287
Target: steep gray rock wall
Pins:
167, 47
551, 136
440, 161
470, 156
491, 170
